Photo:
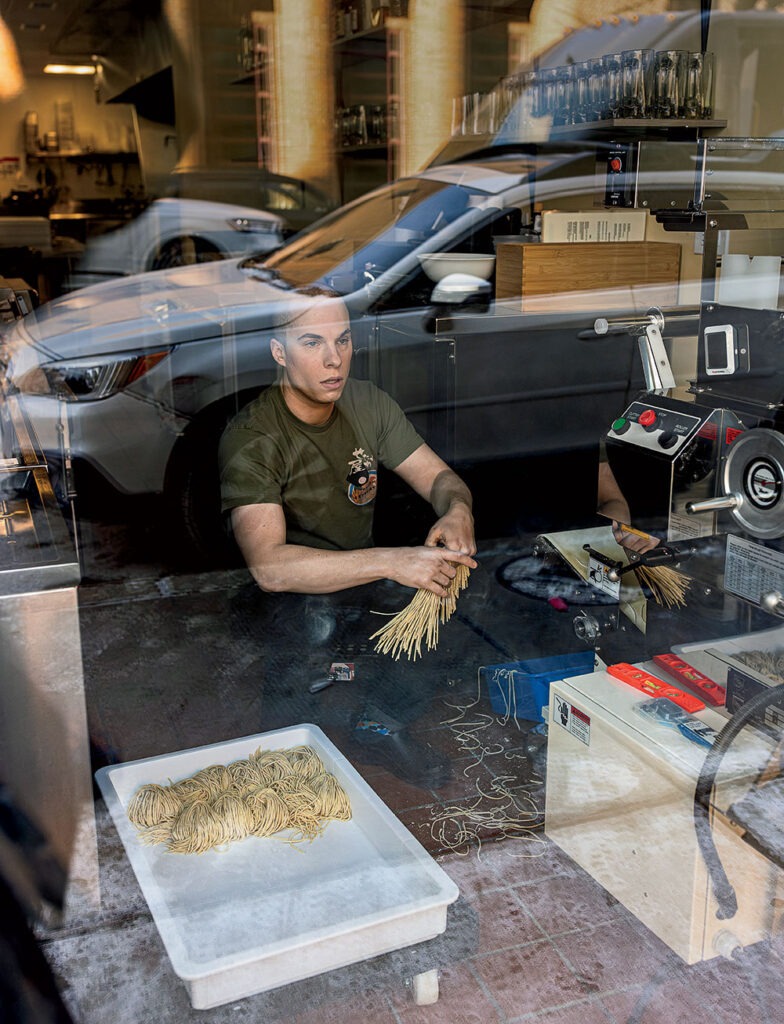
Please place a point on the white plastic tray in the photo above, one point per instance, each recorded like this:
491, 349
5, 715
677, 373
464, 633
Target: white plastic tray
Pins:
715, 657
260, 913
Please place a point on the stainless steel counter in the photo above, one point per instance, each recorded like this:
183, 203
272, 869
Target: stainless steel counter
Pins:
44, 742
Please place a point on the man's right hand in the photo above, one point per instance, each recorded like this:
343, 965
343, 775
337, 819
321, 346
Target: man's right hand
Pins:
427, 568
633, 540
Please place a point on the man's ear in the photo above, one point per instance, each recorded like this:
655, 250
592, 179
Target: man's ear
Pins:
278, 351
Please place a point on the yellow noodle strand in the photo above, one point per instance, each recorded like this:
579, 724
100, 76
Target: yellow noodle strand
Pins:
503, 810
266, 793
420, 620
151, 805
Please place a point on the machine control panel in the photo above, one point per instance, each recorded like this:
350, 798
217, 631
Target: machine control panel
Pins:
649, 426
619, 178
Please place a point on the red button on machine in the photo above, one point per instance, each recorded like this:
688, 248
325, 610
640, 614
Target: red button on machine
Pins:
648, 419
615, 164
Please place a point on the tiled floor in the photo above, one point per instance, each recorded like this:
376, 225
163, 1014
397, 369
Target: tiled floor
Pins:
532, 936
537, 940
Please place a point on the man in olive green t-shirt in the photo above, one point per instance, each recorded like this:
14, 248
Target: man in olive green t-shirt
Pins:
299, 479
299, 472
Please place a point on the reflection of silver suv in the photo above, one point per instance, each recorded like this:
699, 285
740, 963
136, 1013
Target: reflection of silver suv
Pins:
141, 374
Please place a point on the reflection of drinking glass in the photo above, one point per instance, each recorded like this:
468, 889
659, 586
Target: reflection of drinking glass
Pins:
547, 90
668, 83
596, 89
698, 101
465, 114
582, 108
611, 62
487, 113
456, 114
377, 124
509, 94
532, 94
564, 95
636, 81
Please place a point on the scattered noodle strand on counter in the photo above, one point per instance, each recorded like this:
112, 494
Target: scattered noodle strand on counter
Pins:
268, 792
503, 807
420, 620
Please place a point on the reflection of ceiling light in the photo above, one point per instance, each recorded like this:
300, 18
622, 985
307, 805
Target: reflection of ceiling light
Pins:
27, 26
69, 69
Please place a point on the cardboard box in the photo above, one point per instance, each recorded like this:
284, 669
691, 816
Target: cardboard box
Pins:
594, 226
541, 276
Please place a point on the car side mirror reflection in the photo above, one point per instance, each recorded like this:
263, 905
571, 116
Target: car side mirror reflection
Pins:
461, 290
457, 292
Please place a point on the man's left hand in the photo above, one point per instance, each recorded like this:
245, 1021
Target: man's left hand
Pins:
454, 530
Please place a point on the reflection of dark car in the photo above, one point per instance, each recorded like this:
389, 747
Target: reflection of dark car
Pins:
140, 375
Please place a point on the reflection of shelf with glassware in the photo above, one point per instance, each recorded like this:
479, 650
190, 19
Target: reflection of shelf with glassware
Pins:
248, 77
84, 156
361, 45
640, 124
368, 71
256, 57
369, 149
357, 22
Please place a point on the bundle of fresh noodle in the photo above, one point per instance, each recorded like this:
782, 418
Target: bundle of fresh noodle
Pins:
269, 792
420, 620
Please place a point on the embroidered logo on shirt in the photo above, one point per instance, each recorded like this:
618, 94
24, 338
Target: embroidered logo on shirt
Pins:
362, 478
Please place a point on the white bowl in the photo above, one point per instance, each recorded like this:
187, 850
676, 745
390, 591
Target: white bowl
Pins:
437, 265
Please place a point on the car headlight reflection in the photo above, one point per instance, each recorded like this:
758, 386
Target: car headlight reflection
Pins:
88, 380
251, 224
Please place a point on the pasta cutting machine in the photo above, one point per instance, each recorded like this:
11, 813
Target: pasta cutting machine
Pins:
704, 464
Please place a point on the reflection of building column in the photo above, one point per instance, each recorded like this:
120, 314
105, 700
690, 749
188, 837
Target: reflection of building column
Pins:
11, 80
183, 19
304, 86
432, 76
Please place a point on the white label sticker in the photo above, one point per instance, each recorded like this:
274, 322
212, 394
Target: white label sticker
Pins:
752, 570
598, 576
683, 527
573, 720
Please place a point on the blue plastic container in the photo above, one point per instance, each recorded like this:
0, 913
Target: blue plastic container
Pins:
520, 689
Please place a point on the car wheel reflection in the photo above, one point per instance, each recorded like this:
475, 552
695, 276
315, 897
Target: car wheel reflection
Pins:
182, 252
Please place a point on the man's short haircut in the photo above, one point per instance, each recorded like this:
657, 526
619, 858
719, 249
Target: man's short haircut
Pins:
299, 301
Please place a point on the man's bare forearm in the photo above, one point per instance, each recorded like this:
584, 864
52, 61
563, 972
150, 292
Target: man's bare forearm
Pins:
300, 569
303, 570
447, 491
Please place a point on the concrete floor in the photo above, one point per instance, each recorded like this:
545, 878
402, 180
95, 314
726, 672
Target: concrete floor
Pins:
531, 937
